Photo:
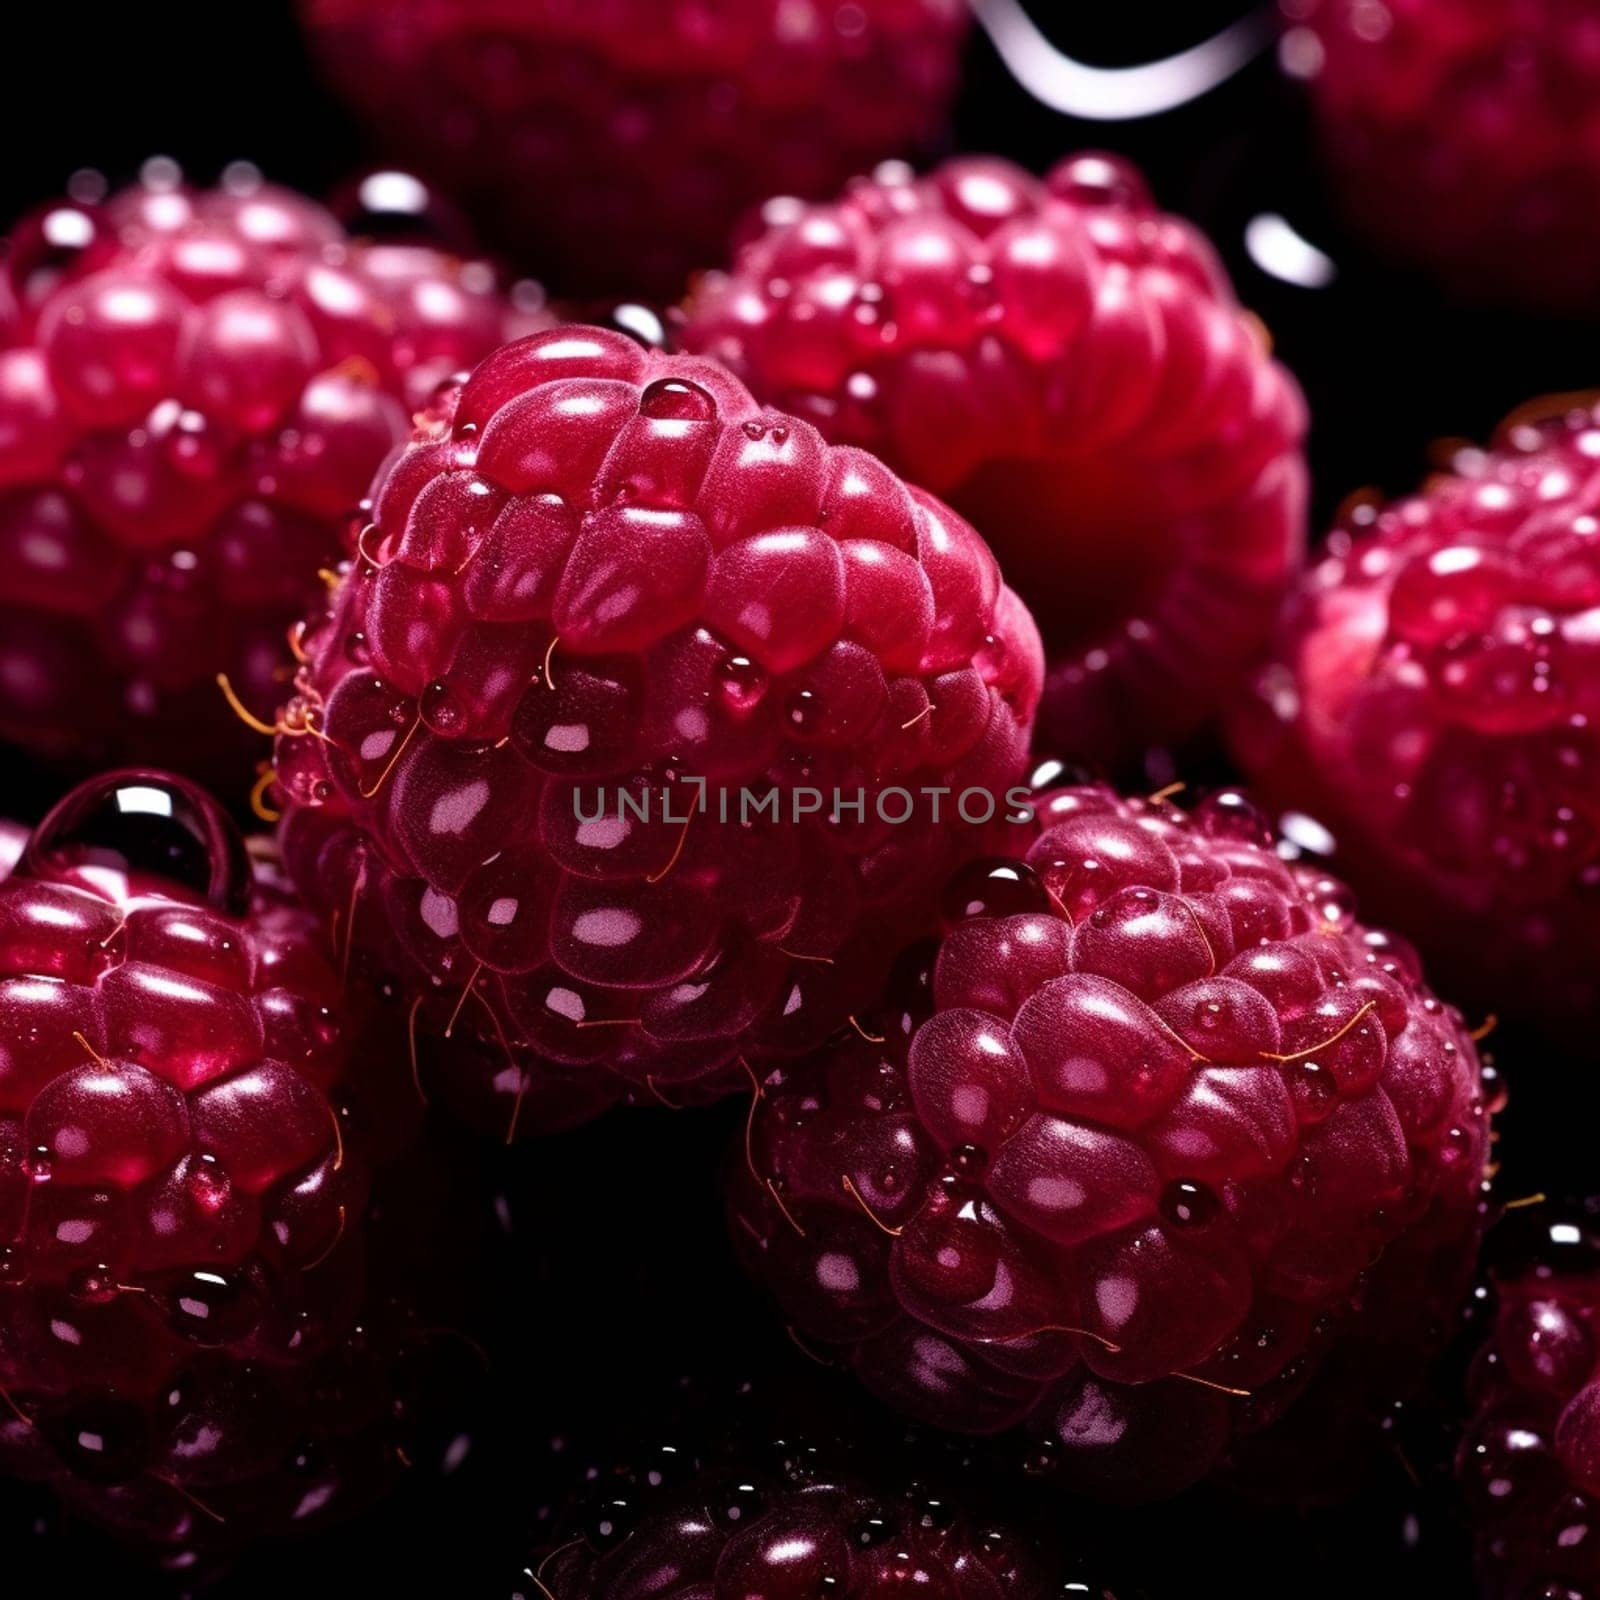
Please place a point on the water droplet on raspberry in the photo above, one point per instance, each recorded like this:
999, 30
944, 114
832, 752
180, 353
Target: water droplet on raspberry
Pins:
611, 1522
399, 207
1189, 1204
909, 988
93, 1286
1334, 902
992, 887
212, 1307
440, 708
208, 1184
805, 711
1231, 814
1313, 1089
1100, 180
738, 1506
742, 682
121, 831
871, 1531
677, 400
968, 1160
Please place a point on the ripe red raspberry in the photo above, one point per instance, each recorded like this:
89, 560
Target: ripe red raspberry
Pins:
615, 144
195, 390
184, 1161
600, 570
1464, 136
1432, 699
1529, 1458
1066, 366
1133, 1135
785, 1511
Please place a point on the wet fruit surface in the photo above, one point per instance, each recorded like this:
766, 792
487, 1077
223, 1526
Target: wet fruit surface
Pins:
1529, 1460
195, 389
616, 145
616, 748
731, 1503
184, 1178
1462, 134
1068, 367
1431, 698
1128, 1144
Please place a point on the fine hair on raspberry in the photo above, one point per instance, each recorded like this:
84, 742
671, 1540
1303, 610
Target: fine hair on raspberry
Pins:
1066, 365
196, 386
599, 570
1114, 1157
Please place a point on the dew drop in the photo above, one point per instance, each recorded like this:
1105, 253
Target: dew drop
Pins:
677, 400
1188, 1204
440, 709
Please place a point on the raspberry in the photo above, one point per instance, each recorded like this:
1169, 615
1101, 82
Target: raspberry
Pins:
1464, 136
788, 1512
1068, 368
1431, 699
184, 1159
195, 390
1132, 1135
1529, 1458
615, 145
603, 594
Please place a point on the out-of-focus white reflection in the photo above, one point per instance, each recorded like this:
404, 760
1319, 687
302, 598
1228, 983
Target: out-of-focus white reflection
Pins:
1281, 253
1116, 94
396, 192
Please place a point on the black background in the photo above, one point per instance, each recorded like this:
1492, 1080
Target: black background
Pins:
612, 1276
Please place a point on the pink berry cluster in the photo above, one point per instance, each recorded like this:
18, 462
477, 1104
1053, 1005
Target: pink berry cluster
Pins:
654, 715
1432, 695
1463, 136
596, 572
618, 143
1067, 365
196, 387
187, 1145
1121, 1156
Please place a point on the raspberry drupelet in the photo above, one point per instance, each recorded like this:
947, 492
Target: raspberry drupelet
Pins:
196, 387
1463, 137
613, 146
1067, 366
1432, 697
1529, 1458
185, 1161
1133, 1133
607, 600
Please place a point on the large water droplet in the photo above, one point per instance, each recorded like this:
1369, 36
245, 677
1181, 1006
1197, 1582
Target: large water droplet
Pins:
142, 830
212, 1307
676, 400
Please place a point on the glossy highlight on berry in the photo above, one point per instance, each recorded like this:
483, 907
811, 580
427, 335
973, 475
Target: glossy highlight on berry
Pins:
196, 386
184, 1172
1068, 367
1431, 697
1119, 1170
602, 590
